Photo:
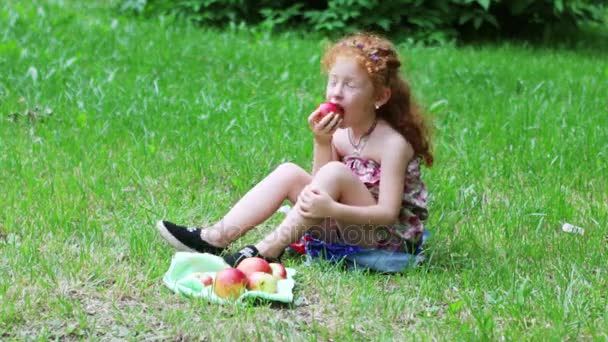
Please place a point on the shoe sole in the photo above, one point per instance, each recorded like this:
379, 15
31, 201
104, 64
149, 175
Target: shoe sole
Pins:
164, 232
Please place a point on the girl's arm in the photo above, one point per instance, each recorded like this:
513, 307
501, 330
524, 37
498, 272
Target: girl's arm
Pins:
324, 152
323, 130
394, 162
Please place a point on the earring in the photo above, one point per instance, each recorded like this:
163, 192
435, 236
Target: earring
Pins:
377, 106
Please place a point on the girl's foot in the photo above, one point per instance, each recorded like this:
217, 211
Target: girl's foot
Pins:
246, 252
186, 238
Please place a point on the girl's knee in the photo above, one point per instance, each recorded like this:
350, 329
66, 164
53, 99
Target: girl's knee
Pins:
289, 167
296, 178
292, 169
333, 169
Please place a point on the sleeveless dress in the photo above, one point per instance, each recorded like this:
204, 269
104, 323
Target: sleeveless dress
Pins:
407, 233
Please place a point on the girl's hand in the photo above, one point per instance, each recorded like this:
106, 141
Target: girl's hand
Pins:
324, 128
315, 203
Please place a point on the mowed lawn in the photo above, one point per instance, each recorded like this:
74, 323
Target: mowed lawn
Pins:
109, 123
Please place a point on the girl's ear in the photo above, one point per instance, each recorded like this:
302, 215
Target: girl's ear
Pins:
383, 96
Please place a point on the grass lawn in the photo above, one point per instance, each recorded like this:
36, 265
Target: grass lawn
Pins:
108, 124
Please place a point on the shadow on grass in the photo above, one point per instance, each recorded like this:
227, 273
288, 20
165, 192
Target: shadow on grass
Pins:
591, 39
438, 257
454, 256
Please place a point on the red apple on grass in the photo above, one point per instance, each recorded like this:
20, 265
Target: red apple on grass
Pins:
205, 278
278, 270
262, 281
255, 264
328, 107
230, 283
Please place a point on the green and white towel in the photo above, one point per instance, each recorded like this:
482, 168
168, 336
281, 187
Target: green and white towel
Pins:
180, 278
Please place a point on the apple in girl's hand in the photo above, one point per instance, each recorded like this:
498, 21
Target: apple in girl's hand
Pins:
278, 270
205, 278
326, 108
255, 264
230, 283
262, 281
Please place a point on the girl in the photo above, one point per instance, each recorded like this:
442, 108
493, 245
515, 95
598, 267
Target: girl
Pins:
364, 189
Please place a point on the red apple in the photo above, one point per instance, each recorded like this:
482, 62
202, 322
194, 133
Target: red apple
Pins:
262, 281
278, 270
326, 108
205, 278
230, 283
255, 264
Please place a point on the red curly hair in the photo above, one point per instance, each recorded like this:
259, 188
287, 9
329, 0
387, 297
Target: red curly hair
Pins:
379, 58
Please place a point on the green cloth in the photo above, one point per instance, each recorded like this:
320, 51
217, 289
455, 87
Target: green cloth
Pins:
181, 279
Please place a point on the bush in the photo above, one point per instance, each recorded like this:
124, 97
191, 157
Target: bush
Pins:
422, 17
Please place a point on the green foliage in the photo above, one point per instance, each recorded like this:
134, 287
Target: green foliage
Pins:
201, 11
422, 17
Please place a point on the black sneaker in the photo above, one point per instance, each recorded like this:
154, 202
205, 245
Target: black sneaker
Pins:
246, 252
186, 238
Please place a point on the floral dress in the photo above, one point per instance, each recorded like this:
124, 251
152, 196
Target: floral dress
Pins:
409, 228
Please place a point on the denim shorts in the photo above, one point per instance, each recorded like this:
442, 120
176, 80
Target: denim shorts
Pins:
355, 257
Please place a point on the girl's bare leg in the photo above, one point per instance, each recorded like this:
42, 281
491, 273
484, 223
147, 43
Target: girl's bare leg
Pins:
335, 179
257, 205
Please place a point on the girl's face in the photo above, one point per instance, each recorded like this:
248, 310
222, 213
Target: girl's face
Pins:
350, 86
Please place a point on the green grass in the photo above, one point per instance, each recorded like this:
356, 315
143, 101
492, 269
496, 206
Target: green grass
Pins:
108, 124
